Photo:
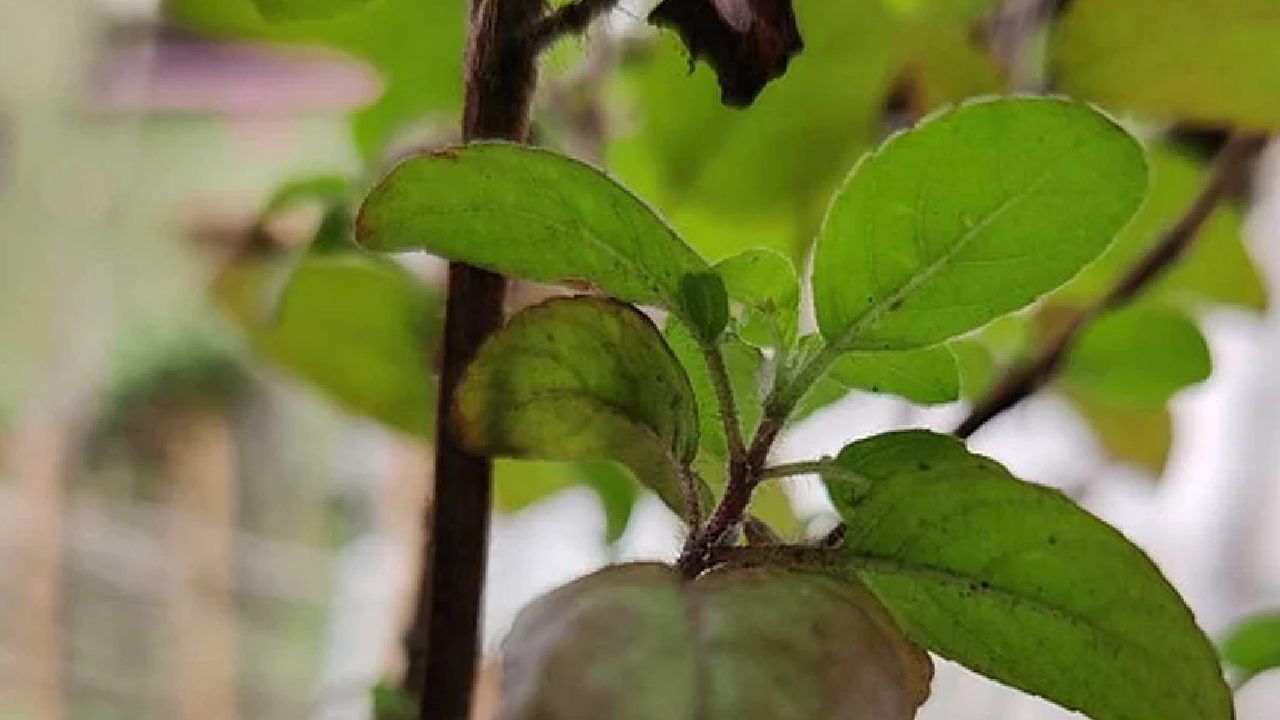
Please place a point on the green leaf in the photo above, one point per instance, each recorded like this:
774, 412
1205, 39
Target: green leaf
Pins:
359, 328
1137, 357
617, 493
1253, 645
292, 10
977, 366
414, 46
1016, 582
634, 642
974, 213
582, 379
706, 303
1137, 436
325, 189
1206, 62
1216, 269
764, 283
928, 376
392, 703
539, 216
517, 484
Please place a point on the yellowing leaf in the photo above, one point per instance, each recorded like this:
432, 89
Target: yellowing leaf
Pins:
582, 379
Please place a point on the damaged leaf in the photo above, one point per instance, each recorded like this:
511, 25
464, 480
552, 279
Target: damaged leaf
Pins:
747, 42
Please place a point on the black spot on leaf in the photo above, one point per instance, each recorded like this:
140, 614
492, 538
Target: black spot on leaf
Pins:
747, 42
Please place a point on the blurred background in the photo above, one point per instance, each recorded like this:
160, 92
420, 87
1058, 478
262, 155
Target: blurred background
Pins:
211, 499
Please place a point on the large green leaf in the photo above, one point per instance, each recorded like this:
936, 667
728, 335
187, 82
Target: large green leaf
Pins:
1253, 645
359, 328
974, 213
1207, 61
1215, 269
1016, 582
582, 379
539, 216
1137, 357
635, 642
415, 46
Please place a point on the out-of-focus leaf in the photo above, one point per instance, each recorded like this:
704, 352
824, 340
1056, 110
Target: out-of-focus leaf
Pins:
1137, 436
618, 495
392, 703
944, 63
764, 283
292, 10
766, 174
974, 213
1206, 61
1137, 357
517, 484
539, 216
693, 151
1017, 583
1253, 645
771, 504
359, 328
582, 379
415, 46
325, 189
1217, 267
634, 642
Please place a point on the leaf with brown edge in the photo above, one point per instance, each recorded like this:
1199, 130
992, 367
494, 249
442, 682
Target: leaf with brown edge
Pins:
634, 642
747, 42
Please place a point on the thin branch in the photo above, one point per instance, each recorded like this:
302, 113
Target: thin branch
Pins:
571, 19
727, 405
1024, 380
812, 467
771, 555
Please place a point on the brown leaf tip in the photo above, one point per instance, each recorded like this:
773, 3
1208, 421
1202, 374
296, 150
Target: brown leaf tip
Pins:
747, 42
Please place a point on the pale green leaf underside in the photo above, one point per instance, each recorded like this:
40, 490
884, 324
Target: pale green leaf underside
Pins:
361, 329
582, 379
1016, 582
974, 213
763, 282
531, 214
634, 642
1211, 61
1137, 357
